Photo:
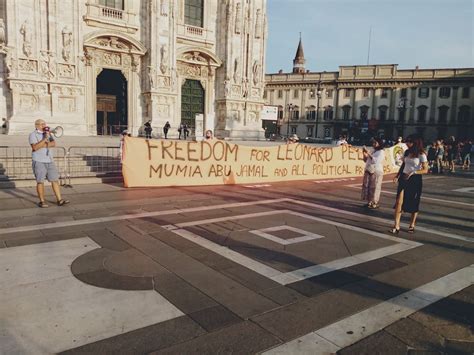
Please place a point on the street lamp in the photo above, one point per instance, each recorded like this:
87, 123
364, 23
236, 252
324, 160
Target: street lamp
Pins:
290, 110
402, 106
318, 94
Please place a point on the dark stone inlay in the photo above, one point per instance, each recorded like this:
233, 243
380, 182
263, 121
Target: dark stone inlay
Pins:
377, 266
378, 343
106, 279
214, 318
146, 339
132, 263
107, 240
286, 234
241, 338
43, 239
322, 283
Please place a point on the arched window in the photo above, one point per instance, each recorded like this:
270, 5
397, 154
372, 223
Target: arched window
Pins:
311, 113
422, 110
346, 112
328, 113
443, 114
280, 112
295, 113
464, 114
383, 110
194, 12
364, 112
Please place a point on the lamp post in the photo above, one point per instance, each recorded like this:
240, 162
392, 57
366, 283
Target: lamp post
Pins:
290, 110
318, 94
402, 106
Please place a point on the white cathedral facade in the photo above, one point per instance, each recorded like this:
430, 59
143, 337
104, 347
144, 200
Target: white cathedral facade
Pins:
102, 66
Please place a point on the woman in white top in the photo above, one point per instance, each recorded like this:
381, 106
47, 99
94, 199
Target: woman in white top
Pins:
410, 185
373, 174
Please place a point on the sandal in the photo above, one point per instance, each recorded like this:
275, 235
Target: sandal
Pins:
43, 204
411, 229
394, 230
63, 202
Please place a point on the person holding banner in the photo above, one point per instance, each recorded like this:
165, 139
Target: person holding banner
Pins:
410, 185
373, 173
209, 135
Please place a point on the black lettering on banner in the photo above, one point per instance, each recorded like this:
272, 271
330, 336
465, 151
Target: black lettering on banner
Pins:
150, 147
177, 152
232, 151
281, 172
209, 151
165, 146
191, 150
259, 155
218, 170
359, 170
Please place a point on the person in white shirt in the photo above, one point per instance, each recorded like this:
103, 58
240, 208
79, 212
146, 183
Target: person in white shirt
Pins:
410, 185
341, 141
373, 173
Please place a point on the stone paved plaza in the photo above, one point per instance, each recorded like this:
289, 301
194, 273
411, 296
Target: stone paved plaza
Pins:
286, 268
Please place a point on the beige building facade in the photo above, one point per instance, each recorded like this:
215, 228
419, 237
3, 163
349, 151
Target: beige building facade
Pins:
102, 66
368, 100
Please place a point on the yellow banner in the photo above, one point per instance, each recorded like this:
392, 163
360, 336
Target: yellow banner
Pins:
218, 162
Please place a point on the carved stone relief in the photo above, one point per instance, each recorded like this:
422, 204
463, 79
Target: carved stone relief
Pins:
236, 71
66, 70
112, 59
164, 9
67, 43
164, 58
48, 65
3, 38
27, 88
238, 18
152, 77
67, 104
25, 31
111, 42
190, 70
28, 102
28, 65
256, 72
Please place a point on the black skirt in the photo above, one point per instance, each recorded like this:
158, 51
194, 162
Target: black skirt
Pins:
412, 192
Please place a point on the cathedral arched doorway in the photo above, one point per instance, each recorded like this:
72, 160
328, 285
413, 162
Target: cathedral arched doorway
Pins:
111, 102
192, 102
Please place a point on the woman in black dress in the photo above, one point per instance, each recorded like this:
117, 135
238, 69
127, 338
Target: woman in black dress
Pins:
410, 185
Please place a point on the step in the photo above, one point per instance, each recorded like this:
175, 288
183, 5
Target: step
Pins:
74, 181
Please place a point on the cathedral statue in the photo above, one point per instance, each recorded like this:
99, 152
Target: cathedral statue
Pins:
25, 31
238, 18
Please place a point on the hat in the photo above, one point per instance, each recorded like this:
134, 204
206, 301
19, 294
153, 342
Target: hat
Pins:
294, 137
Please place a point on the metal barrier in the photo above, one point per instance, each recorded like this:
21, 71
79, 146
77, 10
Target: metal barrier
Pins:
75, 162
93, 161
15, 162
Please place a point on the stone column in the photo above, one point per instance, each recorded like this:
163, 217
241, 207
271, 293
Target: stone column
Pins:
336, 104
353, 104
391, 112
374, 105
411, 117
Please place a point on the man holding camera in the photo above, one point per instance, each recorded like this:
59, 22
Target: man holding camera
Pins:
43, 165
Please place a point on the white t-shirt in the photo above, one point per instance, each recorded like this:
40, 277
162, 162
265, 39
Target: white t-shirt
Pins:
414, 164
341, 142
375, 164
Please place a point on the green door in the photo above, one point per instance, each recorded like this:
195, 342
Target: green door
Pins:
192, 102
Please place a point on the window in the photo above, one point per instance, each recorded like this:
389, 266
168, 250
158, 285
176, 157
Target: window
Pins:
115, 4
311, 114
464, 115
346, 112
422, 110
280, 112
465, 93
365, 93
383, 110
403, 93
265, 94
329, 93
280, 94
347, 93
193, 12
444, 92
384, 94
296, 93
309, 131
293, 129
364, 112
423, 93
443, 114
295, 113
328, 113
401, 115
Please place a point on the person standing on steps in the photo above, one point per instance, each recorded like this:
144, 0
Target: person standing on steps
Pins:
410, 184
166, 128
43, 165
148, 130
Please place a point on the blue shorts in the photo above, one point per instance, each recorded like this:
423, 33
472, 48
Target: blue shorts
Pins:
44, 171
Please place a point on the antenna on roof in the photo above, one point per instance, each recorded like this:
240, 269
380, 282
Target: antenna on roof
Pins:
368, 51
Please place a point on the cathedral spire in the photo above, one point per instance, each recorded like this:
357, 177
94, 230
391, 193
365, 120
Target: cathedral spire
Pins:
299, 61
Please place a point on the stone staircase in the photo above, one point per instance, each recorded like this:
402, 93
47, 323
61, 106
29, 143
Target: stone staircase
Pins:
17, 171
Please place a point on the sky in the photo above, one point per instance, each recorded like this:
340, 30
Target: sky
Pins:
427, 33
